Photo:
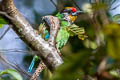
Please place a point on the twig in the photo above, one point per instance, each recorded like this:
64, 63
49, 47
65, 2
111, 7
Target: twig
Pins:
76, 5
98, 1
53, 3
102, 66
90, 1
115, 7
101, 71
9, 17
15, 66
38, 71
5, 14
4, 32
112, 2
54, 25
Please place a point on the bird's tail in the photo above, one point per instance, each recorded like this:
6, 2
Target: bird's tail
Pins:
32, 64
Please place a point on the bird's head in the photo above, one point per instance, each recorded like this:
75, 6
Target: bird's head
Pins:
72, 13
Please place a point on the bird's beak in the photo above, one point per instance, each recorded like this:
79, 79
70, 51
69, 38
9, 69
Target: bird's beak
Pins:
77, 13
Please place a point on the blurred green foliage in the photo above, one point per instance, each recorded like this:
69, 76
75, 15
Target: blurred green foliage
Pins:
113, 40
14, 75
2, 22
116, 18
83, 58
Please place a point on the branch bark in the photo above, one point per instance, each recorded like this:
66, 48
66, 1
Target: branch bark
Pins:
38, 71
54, 26
47, 53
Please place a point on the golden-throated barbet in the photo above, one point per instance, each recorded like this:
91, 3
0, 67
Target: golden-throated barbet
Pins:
66, 17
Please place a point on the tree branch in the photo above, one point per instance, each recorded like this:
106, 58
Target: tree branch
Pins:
76, 5
53, 3
3, 34
47, 53
102, 14
54, 26
5, 14
38, 71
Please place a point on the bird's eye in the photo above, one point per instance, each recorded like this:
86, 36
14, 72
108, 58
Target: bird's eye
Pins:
74, 10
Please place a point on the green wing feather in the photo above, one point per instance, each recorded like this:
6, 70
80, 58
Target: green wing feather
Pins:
62, 37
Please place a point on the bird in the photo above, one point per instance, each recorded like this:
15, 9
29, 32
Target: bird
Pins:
66, 17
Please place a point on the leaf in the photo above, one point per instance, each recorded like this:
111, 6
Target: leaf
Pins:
99, 6
113, 40
13, 73
3, 21
113, 48
116, 18
114, 73
90, 44
112, 30
1, 25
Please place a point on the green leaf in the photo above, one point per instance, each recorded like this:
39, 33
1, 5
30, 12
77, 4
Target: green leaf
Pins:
1, 25
99, 6
113, 40
90, 44
13, 73
3, 21
116, 18
114, 73
113, 47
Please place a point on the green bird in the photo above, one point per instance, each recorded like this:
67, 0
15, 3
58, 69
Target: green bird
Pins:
67, 29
